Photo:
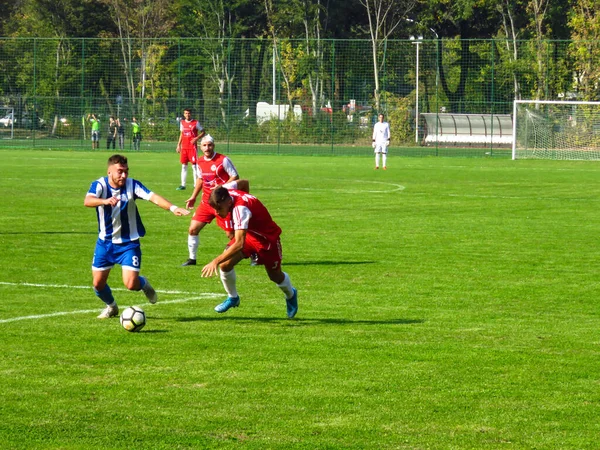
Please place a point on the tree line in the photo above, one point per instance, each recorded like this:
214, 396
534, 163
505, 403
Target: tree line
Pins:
536, 49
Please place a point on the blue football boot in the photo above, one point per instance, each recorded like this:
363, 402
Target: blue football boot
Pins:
230, 302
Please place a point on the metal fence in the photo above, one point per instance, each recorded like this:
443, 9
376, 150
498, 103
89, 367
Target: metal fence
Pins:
296, 96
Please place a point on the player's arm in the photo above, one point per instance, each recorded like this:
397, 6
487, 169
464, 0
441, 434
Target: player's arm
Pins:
178, 149
231, 171
232, 250
167, 205
243, 185
91, 201
189, 203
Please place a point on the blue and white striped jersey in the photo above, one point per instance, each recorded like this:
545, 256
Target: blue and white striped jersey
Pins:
121, 223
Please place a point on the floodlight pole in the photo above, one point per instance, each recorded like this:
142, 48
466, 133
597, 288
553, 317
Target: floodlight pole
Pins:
417, 41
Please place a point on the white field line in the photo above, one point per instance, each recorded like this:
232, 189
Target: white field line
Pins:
199, 296
393, 187
66, 286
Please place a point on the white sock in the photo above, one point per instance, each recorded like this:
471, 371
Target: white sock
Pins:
384, 158
286, 286
228, 280
376, 159
193, 242
183, 174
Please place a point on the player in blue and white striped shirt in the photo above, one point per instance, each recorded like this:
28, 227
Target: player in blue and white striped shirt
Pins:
119, 231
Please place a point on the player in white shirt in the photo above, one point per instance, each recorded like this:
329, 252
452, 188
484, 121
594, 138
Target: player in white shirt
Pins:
381, 140
119, 231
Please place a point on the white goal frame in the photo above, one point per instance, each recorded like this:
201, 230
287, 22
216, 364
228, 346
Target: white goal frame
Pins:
550, 102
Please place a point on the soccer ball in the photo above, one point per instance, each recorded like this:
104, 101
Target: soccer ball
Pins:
133, 318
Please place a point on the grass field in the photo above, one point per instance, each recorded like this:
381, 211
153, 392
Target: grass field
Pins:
445, 303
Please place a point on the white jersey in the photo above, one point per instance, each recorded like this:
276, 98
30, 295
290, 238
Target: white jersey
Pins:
121, 223
381, 133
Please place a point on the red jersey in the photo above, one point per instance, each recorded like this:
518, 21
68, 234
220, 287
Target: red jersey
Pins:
249, 214
189, 130
214, 172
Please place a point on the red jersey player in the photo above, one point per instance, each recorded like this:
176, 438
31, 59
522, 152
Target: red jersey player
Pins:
191, 131
255, 232
215, 170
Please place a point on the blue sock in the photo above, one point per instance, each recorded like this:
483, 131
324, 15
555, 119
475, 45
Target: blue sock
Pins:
105, 295
143, 282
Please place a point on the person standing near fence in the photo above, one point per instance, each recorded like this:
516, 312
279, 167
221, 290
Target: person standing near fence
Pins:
136, 133
111, 137
121, 133
95, 131
381, 141
190, 133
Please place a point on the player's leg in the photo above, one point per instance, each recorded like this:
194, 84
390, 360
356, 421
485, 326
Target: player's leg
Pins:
229, 280
271, 259
377, 159
196, 226
384, 157
101, 266
130, 258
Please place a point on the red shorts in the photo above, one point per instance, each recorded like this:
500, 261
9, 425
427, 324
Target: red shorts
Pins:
188, 155
204, 213
268, 254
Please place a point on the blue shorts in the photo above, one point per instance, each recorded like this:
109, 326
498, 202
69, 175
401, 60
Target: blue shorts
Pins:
107, 254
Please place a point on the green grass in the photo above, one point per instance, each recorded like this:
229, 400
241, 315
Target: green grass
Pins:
446, 303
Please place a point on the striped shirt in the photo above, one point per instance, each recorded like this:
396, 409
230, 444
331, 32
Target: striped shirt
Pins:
121, 223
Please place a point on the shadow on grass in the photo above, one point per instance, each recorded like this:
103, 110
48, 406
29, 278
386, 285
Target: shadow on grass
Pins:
300, 321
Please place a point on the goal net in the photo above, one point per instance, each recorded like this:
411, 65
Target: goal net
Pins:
546, 129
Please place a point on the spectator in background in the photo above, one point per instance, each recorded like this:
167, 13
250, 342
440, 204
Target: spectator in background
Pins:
121, 133
111, 137
95, 130
136, 133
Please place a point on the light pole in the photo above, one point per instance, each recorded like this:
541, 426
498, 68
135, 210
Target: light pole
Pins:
417, 41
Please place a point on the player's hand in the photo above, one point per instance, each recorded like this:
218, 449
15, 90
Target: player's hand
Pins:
181, 212
178, 149
373, 145
112, 201
190, 202
210, 269
387, 143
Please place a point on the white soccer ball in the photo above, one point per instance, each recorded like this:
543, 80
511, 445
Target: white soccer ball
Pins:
133, 318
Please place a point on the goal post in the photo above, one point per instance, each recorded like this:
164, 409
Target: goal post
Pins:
547, 129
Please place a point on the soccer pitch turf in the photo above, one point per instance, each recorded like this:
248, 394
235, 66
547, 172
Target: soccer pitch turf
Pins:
444, 303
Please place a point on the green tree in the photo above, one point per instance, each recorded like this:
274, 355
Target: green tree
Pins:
585, 23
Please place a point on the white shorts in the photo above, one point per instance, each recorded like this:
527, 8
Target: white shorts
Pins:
380, 148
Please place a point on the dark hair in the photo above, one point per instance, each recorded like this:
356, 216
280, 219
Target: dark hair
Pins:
218, 196
117, 159
187, 109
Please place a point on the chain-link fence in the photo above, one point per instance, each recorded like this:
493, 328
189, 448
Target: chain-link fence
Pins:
319, 97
